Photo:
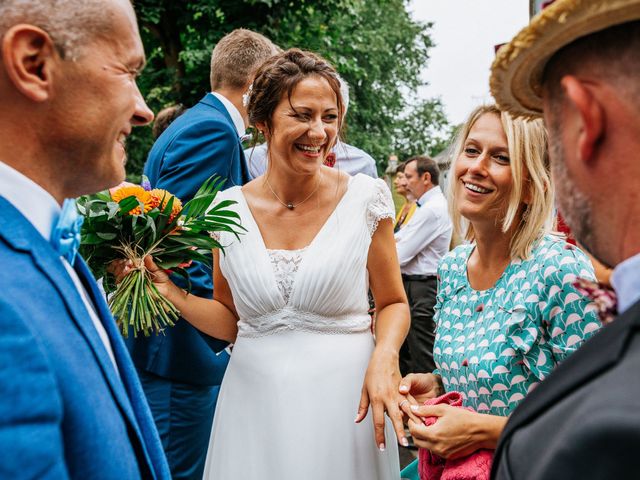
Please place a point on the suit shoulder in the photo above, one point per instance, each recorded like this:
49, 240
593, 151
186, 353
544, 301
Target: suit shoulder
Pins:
197, 123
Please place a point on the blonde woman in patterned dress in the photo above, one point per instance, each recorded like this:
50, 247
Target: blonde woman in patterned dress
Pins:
507, 312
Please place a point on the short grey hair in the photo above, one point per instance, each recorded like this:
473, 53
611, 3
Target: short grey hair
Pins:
71, 24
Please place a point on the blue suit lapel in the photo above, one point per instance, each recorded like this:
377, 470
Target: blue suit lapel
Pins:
52, 267
143, 423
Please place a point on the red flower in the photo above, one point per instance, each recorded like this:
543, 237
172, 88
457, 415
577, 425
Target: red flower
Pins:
603, 297
330, 161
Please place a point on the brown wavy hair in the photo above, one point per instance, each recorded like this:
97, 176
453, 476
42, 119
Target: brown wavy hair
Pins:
279, 75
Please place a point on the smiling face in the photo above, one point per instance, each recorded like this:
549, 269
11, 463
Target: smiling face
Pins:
483, 171
99, 104
304, 128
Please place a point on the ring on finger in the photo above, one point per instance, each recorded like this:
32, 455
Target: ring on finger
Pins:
403, 402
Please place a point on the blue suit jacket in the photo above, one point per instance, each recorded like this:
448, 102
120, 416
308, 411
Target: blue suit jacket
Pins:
200, 143
64, 413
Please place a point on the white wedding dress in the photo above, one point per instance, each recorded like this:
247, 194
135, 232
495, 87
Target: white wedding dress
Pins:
291, 391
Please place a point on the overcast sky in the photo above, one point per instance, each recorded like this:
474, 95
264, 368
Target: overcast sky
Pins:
465, 32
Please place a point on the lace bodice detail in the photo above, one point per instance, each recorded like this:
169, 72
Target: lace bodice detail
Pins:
320, 289
285, 266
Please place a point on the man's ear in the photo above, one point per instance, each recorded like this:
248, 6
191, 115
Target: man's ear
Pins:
28, 55
591, 119
426, 177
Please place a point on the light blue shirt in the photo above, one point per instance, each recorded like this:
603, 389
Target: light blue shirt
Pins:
349, 159
425, 239
626, 282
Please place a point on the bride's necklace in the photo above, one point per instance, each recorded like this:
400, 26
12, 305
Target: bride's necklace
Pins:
291, 205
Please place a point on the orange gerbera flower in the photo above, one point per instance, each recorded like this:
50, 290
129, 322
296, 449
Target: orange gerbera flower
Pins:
164, 197
140, 193
120, 185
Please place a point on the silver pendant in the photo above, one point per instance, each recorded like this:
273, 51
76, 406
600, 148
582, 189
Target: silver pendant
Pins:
290, 206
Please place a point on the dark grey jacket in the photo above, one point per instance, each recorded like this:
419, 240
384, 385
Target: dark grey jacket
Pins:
583, 422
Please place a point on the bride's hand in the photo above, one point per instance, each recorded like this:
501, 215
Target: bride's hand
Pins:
121, 268
380, 390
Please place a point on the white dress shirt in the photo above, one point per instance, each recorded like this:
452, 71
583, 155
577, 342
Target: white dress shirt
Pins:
234, 113
349, 159
626, 282
42, 211
425, 239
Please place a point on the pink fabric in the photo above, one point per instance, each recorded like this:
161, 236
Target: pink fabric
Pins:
476, 466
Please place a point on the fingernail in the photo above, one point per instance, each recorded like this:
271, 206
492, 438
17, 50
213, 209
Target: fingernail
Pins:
414, 408
404, 442
404, 388
355, 420
381, 447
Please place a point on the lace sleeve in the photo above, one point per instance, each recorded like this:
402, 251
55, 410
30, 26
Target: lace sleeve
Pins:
380, 205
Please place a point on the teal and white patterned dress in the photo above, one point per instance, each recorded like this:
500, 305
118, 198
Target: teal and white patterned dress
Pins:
495, 345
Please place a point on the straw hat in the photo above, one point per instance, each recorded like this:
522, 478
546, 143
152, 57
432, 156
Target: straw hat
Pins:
516, 73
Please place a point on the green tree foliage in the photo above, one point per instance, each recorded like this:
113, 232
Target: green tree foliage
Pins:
375, 45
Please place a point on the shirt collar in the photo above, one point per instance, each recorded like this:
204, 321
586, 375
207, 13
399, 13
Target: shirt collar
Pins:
626, 282
235, 114
428, 194
30, 199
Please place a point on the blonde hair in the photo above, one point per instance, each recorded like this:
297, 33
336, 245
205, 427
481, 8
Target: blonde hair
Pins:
237, 56
530, 170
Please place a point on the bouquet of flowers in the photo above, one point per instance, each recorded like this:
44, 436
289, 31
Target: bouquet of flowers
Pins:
133, 221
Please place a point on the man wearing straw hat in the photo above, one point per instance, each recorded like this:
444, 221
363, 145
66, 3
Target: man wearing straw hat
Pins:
578, 64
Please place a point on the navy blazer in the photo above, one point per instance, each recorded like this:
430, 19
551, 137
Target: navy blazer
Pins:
200, 143
582, 422
64, 411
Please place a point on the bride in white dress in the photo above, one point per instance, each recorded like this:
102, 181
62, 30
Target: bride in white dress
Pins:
292, 297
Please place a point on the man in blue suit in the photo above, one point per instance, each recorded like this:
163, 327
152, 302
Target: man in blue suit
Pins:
181, 371
71, 405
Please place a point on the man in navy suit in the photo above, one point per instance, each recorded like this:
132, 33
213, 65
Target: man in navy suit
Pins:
577, 64
71, 405
181, 370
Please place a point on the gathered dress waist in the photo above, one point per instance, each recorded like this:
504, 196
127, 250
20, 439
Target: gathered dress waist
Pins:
292, 319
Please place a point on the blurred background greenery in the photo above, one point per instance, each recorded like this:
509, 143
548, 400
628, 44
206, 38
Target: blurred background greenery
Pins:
375, 45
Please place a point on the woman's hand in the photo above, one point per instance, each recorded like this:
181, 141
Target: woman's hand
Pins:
161, 280
380, 390
419, 387
457, 432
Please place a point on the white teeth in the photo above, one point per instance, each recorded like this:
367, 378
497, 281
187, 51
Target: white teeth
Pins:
476, 188
308, 148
